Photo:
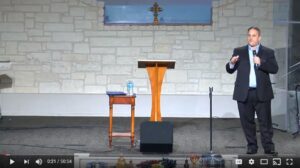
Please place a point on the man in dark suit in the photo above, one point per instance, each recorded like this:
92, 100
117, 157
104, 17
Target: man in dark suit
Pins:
253, 89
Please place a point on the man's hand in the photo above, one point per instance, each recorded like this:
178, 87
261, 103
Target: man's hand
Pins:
256, 60
234, 59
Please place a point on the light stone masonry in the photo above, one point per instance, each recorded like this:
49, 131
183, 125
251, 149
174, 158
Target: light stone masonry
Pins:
15, 17
112, 42
14, 36
59, 46
11, 27
58, 27
81, 48
59, 7
67, 36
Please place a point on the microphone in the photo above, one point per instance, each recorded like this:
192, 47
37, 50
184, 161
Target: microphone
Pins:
254, 55
254, 52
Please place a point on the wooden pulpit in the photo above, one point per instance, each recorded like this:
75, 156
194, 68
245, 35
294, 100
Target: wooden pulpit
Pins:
156, 70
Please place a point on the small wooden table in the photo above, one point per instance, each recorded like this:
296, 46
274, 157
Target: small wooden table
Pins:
121, 99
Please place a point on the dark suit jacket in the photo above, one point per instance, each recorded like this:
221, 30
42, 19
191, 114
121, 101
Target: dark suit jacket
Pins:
268, 66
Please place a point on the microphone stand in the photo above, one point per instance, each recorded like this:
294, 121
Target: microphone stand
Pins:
297, 106
212, 159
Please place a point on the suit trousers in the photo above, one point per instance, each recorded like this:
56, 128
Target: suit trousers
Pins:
247, 111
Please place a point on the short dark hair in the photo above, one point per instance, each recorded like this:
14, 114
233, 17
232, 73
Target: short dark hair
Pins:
255, 28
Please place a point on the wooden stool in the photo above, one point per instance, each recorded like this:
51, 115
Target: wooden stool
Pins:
121, 99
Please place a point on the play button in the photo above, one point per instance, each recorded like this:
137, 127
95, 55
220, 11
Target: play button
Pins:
11, 161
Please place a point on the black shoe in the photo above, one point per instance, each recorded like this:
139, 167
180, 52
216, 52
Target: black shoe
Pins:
251, 151
271, 152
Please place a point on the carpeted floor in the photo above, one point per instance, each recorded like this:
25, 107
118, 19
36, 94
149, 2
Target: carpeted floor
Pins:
69, 135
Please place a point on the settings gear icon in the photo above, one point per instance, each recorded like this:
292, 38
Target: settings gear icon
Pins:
251, 162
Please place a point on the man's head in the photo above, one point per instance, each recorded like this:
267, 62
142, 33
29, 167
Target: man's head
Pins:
254, 36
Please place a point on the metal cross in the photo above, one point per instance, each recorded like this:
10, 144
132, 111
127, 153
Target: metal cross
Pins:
155, 9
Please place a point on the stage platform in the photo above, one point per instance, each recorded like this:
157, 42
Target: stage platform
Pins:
87, 137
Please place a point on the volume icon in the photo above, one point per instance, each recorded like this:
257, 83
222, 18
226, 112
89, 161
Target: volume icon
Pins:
39, 161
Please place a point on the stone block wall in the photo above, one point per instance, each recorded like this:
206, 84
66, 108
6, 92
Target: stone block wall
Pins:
62, 46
